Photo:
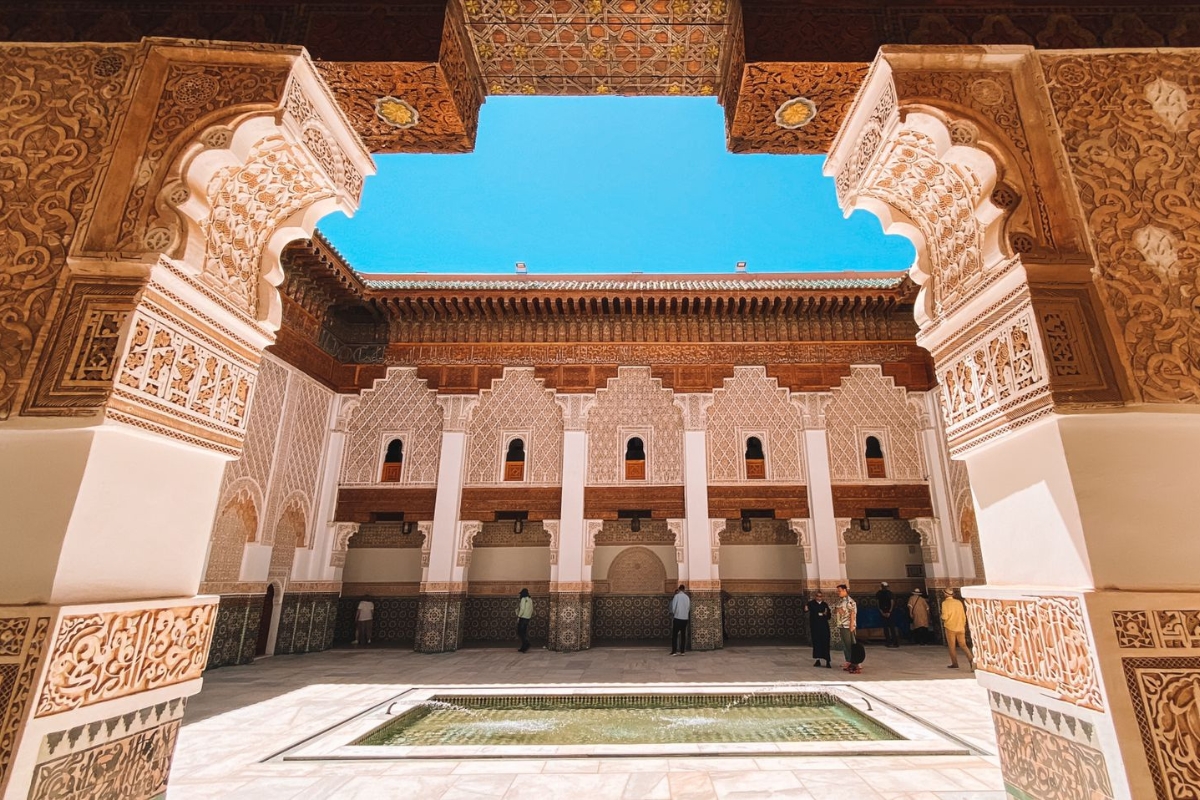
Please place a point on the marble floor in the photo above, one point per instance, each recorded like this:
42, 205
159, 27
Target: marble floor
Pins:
245, 716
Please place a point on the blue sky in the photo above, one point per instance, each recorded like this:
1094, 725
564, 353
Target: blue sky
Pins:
606, 184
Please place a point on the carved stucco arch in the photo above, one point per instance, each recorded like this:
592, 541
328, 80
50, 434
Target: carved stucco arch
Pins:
245, 489
937, 194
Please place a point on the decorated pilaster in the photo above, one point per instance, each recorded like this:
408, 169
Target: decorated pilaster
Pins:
1042, 191
571, 572
947, 554
828, 563
146, 248
700, 549
444, 582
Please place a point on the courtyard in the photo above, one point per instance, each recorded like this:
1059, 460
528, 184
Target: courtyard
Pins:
237, 727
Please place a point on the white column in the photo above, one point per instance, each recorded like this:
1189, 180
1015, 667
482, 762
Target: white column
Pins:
700, 565
954, 563
829, 556
315, 563
571, 569
444, 547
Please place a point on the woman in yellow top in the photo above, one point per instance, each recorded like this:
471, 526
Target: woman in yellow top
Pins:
524, 614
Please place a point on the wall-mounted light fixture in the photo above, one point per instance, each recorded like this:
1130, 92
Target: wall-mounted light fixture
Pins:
864, 524
518, 525
746, 524
407, 527
635, 524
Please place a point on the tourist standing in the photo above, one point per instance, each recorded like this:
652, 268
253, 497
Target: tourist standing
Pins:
918, 612
364, 621
818, 628
524, 614
887, 607
954, 623
681, 610
845, 617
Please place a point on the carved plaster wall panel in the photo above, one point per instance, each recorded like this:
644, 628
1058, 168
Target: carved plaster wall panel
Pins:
104, 655
866, 401
634, 400
1166, 704
1136, 106
23, 641
127, 756
636, 571
60, 108
751, 402
1048, 754
517, 402
1043, 641
398, 402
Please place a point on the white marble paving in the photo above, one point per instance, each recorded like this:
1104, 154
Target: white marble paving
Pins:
246, 715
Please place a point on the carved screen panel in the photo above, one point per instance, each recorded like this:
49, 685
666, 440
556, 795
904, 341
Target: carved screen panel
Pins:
752, 401
518, 401
634, 399
399, 402
869, 400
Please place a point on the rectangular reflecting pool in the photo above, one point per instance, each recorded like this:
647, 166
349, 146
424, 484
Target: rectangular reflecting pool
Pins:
627, 719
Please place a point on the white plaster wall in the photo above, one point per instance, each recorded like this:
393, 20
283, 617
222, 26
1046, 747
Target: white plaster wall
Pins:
1112, 504
762, 562
880, 561
604, 555
103, 514
510, 564
382, 565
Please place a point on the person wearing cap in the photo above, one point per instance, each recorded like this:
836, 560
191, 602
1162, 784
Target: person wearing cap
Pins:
954, 623
887, 607
918, 612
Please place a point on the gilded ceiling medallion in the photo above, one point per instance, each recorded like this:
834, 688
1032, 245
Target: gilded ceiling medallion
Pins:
396, 112
796, 113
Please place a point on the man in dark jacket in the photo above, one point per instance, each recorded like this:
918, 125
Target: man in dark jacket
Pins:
887, 607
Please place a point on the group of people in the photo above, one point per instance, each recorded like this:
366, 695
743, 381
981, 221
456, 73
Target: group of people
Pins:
844, 616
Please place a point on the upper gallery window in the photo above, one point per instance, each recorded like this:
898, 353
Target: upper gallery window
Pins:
393, 462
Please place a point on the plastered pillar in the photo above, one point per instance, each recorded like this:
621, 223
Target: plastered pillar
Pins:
701, 546
444, 583
1058, 303
828, 566
151, 260
571, 574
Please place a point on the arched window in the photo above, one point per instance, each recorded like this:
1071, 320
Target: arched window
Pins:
393, 462
635, 459
875, 463
756, 463
514, 461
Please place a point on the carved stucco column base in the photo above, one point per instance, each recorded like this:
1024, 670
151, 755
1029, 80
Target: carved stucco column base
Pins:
440, 622
1092, 693
92, 696
570, 621
706, 619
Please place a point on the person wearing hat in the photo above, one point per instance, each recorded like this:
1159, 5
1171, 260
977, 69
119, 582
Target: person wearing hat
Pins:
918, 612
954, 623
887, 607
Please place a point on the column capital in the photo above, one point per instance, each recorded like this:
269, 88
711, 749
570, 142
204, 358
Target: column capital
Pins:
802, 527
552, 527
456, 411
425, 528
840, 526
467, 531
812, 408
695, 410
927, 528
575, 410
591, 527
715, 528
343, 532
676, 527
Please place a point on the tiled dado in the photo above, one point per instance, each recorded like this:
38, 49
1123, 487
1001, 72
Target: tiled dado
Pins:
570, 621
1048, 754
440, 621
63, 659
